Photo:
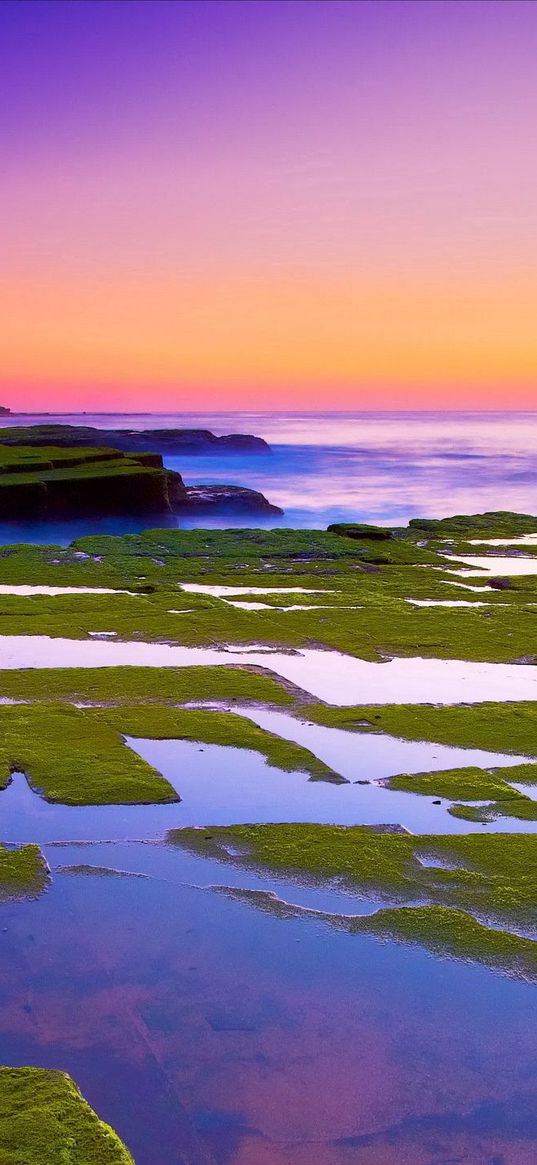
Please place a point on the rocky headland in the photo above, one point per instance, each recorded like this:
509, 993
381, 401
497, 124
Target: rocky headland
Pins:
56, 482
170, 441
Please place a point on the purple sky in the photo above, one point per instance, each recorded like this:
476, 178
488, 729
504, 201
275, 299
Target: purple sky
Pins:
311, 200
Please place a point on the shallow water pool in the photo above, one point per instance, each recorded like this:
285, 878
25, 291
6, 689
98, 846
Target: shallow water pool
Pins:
327, 675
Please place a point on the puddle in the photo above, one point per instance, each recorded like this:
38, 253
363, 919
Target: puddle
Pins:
450, 603
39, 590
220, 592
369, 755
438, 862
468, 587
326, 675
205, 1029
220, 785
251, 606
516, 540
170, 863
494, 565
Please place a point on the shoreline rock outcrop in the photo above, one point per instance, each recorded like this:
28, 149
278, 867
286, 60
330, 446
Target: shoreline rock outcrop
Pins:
50, 482
235, 498
170, 441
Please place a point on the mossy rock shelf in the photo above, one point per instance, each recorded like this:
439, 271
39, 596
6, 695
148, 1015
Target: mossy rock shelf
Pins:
44, 1120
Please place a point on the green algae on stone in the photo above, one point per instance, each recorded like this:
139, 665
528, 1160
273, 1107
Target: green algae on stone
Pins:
23, 873
443, 930
379, 627
155, 563
361, 530
68, 759
471, 784
358, 854
446, 931
44, 1120
513, 804
77, 756
492, 874
51, 481
161, 722
493, 522
507, 727
130, 685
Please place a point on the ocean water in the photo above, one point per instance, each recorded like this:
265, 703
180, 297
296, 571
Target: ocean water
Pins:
209, 1031
329, 467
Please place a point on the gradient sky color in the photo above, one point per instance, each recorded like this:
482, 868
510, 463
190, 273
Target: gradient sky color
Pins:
283, 204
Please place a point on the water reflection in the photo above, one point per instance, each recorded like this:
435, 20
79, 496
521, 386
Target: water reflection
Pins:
208, 1032
232, 786
328, 675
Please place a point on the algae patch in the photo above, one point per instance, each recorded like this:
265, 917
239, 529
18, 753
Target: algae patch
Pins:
469, 894
23, 873
44, 1120
494, 875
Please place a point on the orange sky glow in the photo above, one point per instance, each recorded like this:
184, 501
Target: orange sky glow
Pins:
269, 206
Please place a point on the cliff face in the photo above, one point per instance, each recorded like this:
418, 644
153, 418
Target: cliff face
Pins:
51, 482
55, 483
198, 441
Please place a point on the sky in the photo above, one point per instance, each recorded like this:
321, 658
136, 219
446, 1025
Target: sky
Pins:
291, 204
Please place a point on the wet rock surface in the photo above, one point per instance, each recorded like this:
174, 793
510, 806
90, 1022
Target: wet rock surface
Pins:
232, 497
53, 482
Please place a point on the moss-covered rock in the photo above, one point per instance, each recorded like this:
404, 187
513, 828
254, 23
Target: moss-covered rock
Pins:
23, 873
360, 530
77, 756
69, 482
494, 874
44, 1120
146, 685
170, 441
493, 523
454, 932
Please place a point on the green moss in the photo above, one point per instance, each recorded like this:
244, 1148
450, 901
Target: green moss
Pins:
44, 1120
513, 804
469, 784
54, 481
26, 458
128, 685
453, 932
382, 626
364, 609
495, 523
164, 723
497, 727
359, 530
70, 761
78, 756
494, 874
359, 854
23, 873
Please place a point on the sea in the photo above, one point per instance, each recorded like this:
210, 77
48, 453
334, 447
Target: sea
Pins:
325, 467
